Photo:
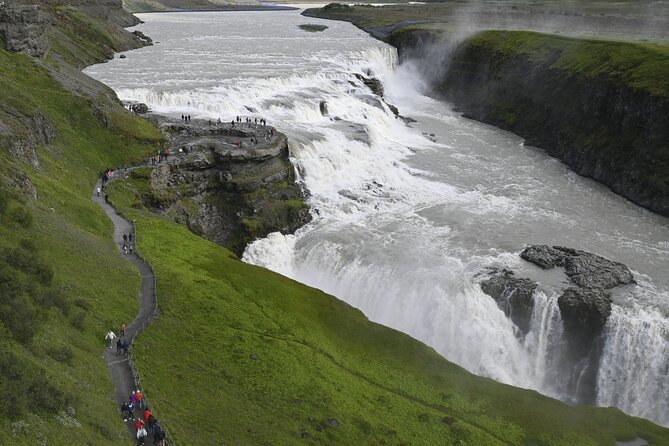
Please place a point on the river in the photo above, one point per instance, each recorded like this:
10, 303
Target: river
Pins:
406, 217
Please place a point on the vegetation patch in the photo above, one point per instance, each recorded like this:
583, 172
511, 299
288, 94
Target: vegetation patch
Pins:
312, 27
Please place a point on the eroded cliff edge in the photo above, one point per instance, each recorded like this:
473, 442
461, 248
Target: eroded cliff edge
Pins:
228, 193
600, 107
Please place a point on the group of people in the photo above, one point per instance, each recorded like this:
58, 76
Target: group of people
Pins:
146, 424
185, 118
127, 243
122, 345
160, 156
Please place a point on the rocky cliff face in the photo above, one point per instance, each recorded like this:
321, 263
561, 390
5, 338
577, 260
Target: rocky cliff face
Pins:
226, 194
601, 127
23, 29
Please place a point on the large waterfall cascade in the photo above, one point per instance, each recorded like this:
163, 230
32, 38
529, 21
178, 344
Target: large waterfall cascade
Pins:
406, 217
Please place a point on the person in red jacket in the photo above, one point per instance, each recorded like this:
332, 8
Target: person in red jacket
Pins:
139, 423
140, 399
147, 414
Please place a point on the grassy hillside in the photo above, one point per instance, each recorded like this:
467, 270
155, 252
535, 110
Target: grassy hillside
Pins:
241, 355
62, 284
642, 66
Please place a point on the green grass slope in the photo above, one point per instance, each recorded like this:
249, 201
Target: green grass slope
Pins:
242, 355
62, 282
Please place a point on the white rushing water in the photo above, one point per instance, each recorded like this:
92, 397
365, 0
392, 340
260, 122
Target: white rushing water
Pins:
407, 217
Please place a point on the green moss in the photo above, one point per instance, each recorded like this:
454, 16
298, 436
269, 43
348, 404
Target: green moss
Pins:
637, 65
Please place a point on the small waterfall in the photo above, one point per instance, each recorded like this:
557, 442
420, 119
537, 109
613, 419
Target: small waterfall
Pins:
634, 370
544, 342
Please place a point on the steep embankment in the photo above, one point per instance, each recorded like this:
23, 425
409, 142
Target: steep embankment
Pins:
601, 107
62, 283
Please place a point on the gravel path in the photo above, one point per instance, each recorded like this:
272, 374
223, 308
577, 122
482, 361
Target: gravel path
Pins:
120, 366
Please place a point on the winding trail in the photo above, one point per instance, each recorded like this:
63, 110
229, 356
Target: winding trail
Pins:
120, 367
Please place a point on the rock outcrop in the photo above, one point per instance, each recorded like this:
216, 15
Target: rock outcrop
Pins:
228, 193
23, 29
584, 307
583, 268
513, 295
605, 121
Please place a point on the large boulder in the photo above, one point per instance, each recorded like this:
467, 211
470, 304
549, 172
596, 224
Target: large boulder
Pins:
583, 268
514, 295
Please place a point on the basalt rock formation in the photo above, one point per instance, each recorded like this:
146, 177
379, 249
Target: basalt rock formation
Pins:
228, 193
600, 107
584, 307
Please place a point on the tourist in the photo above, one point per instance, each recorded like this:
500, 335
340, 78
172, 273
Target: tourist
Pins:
125, 249
130, 248
111, 336
125, 348
147, 414
124, 411
141, 435
125, 237
133, 398
119, 347
139, 396
123, 327
98, 191
131, 411
130, 237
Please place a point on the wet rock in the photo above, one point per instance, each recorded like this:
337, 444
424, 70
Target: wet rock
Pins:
513, 295
583, 268
253, 356
372, 83
592, 271
323, 107
584, 311
333, 422
146, 40
543, 256
122, 56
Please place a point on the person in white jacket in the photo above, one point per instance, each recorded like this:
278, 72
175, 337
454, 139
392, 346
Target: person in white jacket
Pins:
141, 435
111, 336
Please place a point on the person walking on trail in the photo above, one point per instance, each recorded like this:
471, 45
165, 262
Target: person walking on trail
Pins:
131, 411
125, 237
130, 248
119, 346
111, 336
133, 399
141, 435
125, 348
123, 327
125, 249
130, 237
140, 399
98, 190
147, 414
124, 411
